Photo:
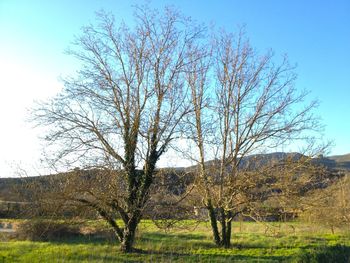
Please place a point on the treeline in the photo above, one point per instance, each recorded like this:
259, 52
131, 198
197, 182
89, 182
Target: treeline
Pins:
175, 197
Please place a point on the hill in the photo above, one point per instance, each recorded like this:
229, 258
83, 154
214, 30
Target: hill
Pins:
14, 189
342, 161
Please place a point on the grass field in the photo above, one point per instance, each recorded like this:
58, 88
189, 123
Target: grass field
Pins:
252, 242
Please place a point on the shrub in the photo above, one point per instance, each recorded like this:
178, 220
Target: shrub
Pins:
45, 230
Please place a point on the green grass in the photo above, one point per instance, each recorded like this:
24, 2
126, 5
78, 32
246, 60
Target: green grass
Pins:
252, 242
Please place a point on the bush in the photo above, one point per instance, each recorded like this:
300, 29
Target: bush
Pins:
45, 230
336, 254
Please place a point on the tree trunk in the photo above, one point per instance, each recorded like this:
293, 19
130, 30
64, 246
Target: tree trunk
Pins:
223, 238
214, 224
228, 231
223, 227
129, 236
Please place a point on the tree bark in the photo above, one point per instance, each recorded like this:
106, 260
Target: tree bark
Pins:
127, 245
223, 238
223, 226
214, 224
228, 230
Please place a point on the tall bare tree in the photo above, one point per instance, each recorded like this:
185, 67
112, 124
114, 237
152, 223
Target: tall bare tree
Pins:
243, 104
123, 109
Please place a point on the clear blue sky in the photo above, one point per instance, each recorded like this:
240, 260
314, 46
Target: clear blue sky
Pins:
34, 34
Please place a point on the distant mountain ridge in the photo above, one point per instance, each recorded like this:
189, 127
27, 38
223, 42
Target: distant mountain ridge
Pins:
254, 161
258, 160
340, 162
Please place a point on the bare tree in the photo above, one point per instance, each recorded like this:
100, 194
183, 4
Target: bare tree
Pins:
243, 104
123, 109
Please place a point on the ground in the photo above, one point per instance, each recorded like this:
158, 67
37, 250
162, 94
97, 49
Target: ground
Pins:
191, 242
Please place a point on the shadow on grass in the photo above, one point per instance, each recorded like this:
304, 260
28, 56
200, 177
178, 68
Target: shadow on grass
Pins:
155, 236
338, 253
85, 240
146, 237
